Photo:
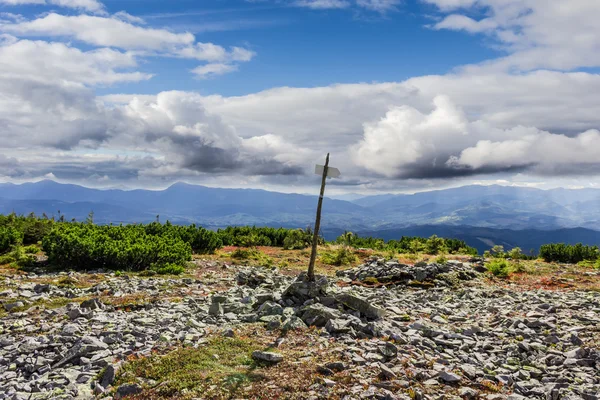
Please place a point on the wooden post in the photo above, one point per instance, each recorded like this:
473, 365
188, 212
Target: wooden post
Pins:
313, 254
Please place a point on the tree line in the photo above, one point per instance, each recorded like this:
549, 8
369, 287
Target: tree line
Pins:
166, 247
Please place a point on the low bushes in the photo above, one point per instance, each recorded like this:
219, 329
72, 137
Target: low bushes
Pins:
201, 240
571, 254
502, 268
9, 237
433, 245
251, 236
339, 257
88, 246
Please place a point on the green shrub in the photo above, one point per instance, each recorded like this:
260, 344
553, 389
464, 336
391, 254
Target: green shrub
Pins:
32, 249
297, 239
516, 253
87, 246
341, 256
565, 253
201, 240
441, 259
406, 244
9, 237
171, 269
499, 267
17, 258
245, 254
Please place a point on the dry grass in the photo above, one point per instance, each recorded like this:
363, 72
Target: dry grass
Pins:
223, 369
537, 274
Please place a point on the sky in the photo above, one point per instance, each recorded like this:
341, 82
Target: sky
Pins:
406, 95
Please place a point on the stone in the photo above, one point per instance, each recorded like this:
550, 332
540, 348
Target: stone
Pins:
360, 305
92, 304
11, 306
79, 313
216, 309
388, 350
267, 356
468, 393
386, 372
127, 390
83, 347
293, 323
449, 377
108, 377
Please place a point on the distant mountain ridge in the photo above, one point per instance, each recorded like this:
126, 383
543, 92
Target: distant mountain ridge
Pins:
483, 214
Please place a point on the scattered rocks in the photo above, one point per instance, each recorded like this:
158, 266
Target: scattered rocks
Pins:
379, 271
444, 339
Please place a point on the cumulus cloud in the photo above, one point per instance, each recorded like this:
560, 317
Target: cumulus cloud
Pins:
544, 152
407, 143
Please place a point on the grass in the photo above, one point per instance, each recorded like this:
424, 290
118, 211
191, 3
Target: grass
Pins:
218, 369
222, 368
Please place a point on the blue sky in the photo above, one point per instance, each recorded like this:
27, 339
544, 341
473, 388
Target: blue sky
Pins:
406, 95
296, 46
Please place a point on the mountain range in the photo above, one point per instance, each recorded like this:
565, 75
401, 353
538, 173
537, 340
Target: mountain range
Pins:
481, 215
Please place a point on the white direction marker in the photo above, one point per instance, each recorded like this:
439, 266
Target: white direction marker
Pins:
331, 172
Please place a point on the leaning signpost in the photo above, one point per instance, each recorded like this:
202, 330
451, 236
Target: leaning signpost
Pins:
326, 172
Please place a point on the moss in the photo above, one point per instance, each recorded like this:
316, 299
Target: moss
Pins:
371, 280
225, 363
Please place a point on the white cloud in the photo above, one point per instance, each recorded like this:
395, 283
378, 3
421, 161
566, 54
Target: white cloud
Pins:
86, 5
47, 62
99, 31
212, 53
380, 6
451, 4
125, 16
211, 70
120, 31
546, 152
536, 33
406, 137
21, 2
322, 4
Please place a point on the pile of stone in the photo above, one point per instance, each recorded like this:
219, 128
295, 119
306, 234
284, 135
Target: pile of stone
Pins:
379, 271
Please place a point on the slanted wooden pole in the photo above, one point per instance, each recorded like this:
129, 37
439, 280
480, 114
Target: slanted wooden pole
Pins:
313, 254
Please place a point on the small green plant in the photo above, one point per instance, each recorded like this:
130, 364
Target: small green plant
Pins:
18, 259
32, 249
171, 269
441, 259
516, 253
245, 254
499, 267
371, 280
222, 364
341, 256
67, 281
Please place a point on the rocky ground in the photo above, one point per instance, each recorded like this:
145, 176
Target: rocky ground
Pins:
382, 330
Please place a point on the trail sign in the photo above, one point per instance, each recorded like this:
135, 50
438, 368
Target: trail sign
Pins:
326, 172
331, 172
